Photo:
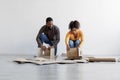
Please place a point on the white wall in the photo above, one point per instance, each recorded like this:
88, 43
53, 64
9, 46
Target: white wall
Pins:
20, 21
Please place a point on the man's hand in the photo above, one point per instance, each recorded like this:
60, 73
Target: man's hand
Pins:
43, 48
50, 47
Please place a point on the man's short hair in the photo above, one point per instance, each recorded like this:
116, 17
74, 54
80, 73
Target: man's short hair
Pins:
48, 19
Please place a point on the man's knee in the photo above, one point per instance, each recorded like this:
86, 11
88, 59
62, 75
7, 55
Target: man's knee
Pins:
43, 36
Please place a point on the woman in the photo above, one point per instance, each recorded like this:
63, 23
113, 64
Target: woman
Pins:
74, 38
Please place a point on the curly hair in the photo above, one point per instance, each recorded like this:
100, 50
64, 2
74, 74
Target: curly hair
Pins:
74, 24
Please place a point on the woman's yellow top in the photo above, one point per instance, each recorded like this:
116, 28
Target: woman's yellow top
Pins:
70, 36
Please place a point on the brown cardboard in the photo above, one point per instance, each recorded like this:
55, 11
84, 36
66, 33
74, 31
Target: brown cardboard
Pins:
73, 53
92, 59
47, 52
44, 61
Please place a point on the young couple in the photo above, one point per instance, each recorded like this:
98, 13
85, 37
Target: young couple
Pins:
50, 34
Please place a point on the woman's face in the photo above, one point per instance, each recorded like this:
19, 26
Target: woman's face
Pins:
74, 30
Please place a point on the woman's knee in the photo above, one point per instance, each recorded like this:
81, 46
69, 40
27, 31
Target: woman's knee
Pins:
71, 44
77, 43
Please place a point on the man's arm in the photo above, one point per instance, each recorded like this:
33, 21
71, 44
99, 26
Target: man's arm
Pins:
38, 37
57, 37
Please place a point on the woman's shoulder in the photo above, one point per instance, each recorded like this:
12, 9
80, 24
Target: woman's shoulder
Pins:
80, 31
68, 33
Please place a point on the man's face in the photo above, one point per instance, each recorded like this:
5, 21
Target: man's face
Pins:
49, 24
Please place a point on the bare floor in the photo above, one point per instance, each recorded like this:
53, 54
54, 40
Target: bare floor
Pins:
81, 71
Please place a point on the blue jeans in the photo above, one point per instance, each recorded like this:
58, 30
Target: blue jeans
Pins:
44, 39
74, 43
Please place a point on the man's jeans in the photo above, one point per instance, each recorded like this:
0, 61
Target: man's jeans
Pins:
44, 39
74, 43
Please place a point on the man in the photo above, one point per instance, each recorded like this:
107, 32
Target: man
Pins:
48, 34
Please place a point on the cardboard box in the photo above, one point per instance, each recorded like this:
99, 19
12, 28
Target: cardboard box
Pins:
73, 53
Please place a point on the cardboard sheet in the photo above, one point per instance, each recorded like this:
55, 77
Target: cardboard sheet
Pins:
44, 61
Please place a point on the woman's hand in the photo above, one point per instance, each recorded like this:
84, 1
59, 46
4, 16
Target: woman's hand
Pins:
68, 48
78, 47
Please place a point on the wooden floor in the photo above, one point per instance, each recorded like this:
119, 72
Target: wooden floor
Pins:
82, 71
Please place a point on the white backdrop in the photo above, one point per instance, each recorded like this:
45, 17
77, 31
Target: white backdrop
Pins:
20, 21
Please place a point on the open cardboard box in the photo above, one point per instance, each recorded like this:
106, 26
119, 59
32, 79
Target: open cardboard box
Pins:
74, 53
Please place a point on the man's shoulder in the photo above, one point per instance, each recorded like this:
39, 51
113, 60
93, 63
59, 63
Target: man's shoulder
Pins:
43, 26
56, 27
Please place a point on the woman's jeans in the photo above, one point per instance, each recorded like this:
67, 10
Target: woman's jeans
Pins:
74, 43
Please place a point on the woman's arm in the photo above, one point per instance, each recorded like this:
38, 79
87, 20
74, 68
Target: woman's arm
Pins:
67, 41
67, 38
82, 39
